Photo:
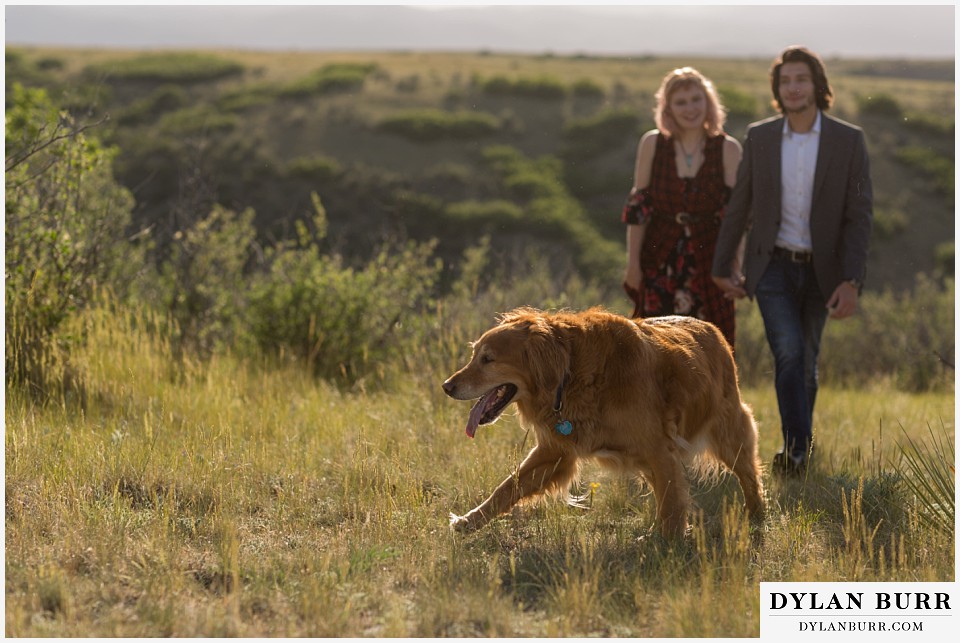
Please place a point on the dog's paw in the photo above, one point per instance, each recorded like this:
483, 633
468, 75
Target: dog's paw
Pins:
460, 524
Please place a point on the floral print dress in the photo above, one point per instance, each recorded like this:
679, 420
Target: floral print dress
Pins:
683, 218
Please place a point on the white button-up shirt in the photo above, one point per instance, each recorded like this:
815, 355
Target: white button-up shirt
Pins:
798, 163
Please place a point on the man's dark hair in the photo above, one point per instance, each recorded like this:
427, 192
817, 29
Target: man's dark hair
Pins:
797, 54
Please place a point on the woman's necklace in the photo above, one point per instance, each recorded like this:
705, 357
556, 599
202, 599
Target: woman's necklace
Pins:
688, 156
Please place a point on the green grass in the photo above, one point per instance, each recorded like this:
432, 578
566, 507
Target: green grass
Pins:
151, 495
249, 499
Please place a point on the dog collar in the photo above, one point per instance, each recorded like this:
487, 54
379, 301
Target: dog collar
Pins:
563, 427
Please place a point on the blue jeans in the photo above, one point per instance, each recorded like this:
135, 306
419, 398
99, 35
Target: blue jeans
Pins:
794, 313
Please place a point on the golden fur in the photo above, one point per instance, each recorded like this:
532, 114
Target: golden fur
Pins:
644, 395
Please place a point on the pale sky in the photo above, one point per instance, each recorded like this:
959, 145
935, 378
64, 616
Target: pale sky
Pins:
848, 31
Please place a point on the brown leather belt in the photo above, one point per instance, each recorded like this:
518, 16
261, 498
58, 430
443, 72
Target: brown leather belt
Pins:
796, 256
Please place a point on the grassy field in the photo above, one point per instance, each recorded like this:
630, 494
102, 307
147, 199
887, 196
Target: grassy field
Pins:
150, 498
160, 485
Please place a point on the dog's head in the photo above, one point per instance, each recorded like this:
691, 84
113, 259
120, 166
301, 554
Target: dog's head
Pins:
522, 359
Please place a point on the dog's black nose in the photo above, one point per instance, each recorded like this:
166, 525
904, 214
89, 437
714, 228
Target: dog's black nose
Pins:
449, 388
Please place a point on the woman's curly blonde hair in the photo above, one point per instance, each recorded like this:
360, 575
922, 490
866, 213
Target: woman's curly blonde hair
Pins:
685, 77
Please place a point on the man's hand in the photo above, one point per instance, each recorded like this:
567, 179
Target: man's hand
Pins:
732, 287
843, 302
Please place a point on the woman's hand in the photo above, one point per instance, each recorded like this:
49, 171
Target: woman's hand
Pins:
633, 277
732, 286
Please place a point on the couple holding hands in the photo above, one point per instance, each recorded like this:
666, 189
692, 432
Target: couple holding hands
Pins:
785, 219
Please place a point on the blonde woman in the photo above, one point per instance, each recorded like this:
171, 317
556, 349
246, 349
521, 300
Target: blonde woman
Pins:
684, 173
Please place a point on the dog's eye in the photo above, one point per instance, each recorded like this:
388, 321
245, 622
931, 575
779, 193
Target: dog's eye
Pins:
485, 359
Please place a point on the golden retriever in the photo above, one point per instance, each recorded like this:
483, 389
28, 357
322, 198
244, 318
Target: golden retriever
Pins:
642, 395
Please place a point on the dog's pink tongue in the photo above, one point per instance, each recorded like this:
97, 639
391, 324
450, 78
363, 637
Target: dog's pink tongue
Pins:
475, 414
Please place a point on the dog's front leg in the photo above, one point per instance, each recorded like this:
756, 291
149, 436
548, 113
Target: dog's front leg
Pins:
540, 471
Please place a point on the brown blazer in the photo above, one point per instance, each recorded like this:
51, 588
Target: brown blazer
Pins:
841, 214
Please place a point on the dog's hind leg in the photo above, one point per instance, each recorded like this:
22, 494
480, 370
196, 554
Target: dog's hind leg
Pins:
738, 451
672, 492
541, 471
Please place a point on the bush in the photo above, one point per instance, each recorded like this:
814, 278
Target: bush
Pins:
431, 125
542, 87
589, 137
738, 103
249, 95
166, 98
51, 63
497, 212
200, 119
202, 284
66, 219
879, 105
942, 127
340, 322
550, 209
944, 256
330, 79
889, 223
313, 168
409, 84
940, 169
586, 88
176, 67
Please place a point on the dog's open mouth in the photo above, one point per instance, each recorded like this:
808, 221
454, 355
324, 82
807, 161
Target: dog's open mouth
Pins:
489, 407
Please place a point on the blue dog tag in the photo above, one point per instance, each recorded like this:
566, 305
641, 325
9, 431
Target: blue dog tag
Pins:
564, 427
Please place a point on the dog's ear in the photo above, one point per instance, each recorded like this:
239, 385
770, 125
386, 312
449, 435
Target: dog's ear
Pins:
546, 356
522, 317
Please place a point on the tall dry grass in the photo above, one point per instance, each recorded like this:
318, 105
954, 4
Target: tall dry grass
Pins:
231, 498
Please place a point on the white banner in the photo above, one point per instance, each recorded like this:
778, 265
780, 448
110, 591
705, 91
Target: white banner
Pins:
910, 611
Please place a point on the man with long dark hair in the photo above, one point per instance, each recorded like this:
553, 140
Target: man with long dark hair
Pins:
804, 198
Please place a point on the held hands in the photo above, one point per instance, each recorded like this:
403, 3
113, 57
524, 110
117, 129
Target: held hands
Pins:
731, 286
633, 277
843, 302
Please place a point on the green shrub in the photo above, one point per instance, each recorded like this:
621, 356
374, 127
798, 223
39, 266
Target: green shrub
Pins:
242, 98
330, 79
738, 103
19, 68
940, 169
541, 87
202, 283
551, 210
200, 119
339, 321
898, 335
166, 98
450, 172
586, 88
429, 125
314, 168
174, 67
409, 84
888, 223
879, 105
51, 63
66, 219
13, 57
941, 127
589, 137
944, 256
497, 212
